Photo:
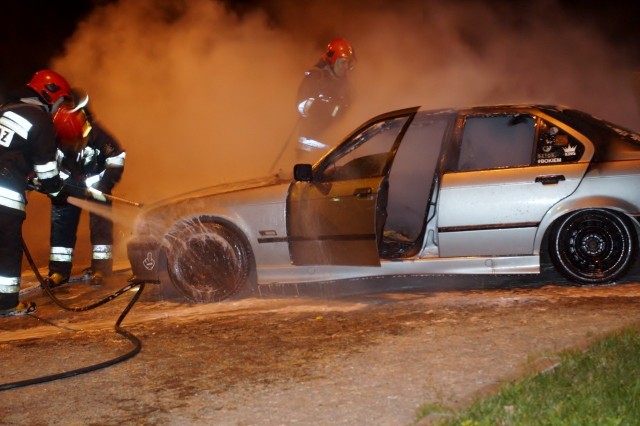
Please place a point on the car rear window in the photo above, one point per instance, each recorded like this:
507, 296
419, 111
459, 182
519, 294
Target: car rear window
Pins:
612, 141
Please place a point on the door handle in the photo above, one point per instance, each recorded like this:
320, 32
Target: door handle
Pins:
550, 179
362, 192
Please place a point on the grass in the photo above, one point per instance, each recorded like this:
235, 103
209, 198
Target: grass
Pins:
599, 386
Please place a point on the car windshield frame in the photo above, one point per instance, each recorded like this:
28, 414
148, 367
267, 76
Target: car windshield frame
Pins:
362, 134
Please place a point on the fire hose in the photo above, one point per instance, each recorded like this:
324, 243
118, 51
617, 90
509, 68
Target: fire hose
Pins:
44, 282
133, 339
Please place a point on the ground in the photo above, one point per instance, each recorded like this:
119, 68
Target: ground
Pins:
368, 359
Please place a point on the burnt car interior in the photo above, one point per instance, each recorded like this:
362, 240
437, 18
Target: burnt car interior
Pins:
490, 142
410, 185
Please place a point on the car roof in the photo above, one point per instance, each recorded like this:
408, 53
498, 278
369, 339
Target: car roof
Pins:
494, 108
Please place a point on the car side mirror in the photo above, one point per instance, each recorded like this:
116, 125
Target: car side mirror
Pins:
302, 172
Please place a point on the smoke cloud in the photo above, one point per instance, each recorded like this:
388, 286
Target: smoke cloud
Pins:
199, 93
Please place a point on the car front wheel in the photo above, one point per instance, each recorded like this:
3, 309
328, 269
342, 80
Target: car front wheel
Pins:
207, 261
593, 246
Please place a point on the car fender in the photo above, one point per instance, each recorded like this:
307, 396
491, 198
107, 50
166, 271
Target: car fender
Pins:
222, 215
570, 205
244, 222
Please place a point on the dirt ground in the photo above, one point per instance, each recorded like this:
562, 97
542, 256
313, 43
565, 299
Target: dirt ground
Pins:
370, 359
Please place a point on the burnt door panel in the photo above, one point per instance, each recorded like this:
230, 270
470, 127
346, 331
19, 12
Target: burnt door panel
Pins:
338, 224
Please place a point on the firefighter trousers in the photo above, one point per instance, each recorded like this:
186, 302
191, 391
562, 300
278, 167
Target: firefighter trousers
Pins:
10, 259
65, 218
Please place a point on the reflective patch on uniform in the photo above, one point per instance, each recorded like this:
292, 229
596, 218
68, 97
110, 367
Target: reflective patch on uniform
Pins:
304, 106
12, 204
9, 285
92, 180
12, 123
61, 254
116, 161
88, 154
10, 194
11, 199
102, 252
47, 170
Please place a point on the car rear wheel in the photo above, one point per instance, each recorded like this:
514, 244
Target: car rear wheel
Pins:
207, 261
593, 246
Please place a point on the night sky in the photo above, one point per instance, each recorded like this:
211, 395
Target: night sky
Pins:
34, 31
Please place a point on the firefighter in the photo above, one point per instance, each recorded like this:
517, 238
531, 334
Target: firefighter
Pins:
27, 149
323, 97
91, 162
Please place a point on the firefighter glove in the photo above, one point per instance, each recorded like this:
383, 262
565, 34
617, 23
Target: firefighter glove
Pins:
96, 195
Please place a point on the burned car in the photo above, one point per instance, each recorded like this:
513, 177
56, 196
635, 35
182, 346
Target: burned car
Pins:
489, 190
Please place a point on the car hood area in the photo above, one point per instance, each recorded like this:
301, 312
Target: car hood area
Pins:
155, 218
220, 188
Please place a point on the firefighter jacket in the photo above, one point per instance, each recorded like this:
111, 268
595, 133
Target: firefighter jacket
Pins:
322, 98
27, 146
322, 95
98, 165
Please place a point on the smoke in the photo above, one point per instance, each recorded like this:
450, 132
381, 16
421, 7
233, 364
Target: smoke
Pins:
199, 93
191, 90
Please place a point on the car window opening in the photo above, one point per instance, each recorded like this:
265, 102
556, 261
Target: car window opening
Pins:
409, 188
490, 142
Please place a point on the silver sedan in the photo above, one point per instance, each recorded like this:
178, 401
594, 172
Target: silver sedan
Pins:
491, 190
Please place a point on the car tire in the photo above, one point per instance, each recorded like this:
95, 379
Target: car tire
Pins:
592, 247
208, 261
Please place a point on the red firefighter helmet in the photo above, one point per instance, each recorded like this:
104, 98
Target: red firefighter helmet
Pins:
72, 128
50, 86
338, 48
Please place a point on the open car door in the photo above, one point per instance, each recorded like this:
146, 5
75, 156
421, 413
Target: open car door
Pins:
336, 217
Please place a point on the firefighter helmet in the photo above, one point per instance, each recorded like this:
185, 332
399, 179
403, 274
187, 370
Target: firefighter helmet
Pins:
79, 97
338, 48
340, 56
72, 128
51, 87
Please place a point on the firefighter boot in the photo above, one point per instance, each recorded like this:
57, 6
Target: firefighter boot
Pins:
94, 277
97, 278
57, 279
22, 308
